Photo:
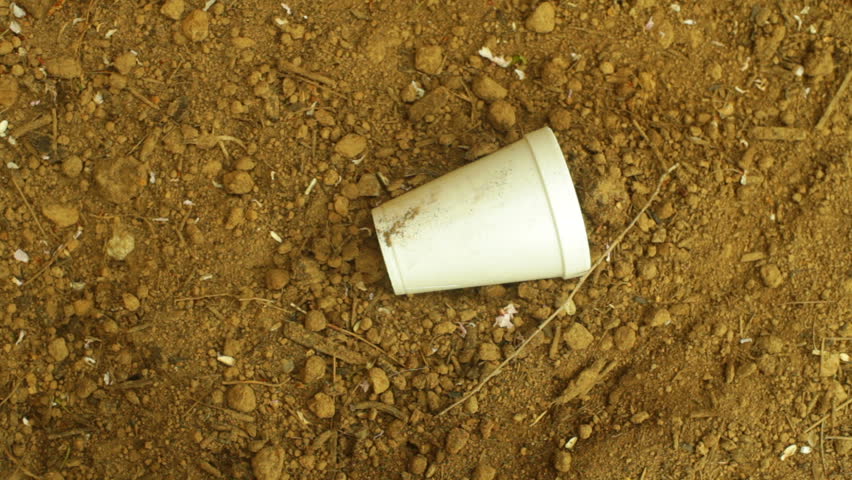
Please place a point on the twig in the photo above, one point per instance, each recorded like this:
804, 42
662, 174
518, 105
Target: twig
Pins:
359, 337
570, 298
47, 265
20, 467
317, 77
142, 98
14, 389
29, 207
254, 382
825, 417
834, 101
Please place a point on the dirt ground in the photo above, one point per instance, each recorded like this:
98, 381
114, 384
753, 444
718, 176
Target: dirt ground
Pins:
192, 287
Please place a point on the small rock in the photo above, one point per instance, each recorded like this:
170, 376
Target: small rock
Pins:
131, 302
560, 119
456, 440
277, 278
584, 431
842, 446
830, 364
819, 64
624, 338
173, 9
85, 387
488, 89
72, 166
431, 104
369, 186
268, 463
543, 18
62, 215
640, 417
489, 352
57, 349
125, 62
196, 25
553, 72
648, 269
8, 91
484, 472
771, 276
314, 369
770, 344
325, 118
378, 380
351, 145
659, 318
322, 405
607, 68
241, 398
429, 59
238, 182
315, 321
120, 245
578, 337
418, 465
287, 365
65, 67
562, 461
501, 114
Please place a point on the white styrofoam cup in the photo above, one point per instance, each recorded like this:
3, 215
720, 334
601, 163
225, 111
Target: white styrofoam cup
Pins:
508, 217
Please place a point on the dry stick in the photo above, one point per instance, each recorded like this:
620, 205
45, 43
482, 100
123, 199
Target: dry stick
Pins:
834, 101
570, 298
14, 389
29, 207
254, 382
825, 417
359, 337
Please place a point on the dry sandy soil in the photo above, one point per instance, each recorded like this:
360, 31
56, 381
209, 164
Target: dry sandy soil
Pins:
191, 286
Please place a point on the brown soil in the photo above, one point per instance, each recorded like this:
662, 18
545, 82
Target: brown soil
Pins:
188, 186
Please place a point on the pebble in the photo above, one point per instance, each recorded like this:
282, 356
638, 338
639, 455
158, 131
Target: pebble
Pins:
378, 380
287, 365
607, 68
430, 104
543, 18
314, 369
173, 9
325, 118
125, 62
488, 89
428, 59
418, 465
268, 463
85, 387
196, 25
489, 352
562, 461
456, 440
830, 365
322, 405
64, 67
131, 302
648, 269
120, 245
501, 114
277, 278
72, 166
241, 398
315, 321
640, 417
62, 215
351, 145
369, 186
585, 431
6, 47
771, 276
770, 344
553, 72
238, 182
624, 338
818, 64
578, 337
560, 119
484, 472
659, 318
8, 91
57, 349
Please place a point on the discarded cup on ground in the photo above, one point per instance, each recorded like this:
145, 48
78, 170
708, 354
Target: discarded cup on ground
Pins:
509, 217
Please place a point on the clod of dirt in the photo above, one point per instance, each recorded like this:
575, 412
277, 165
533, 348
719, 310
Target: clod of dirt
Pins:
369, 186
543, 18
624, 338
120, 180
431, 104
276, 278
770, 344
428, 59
196, 25
64, 67
830, 364
456, 440
57, 349
378, 380
578, 337
562, 461
501, 114
351, 145
584, 431
771, 276
608, 191
268, 463
489, 352
560, 119
8, 91
314, 369
640, 417
173, 9
241, 398
72, 166
131, 302
819, 63
553, 72
238, 182
484, 472
61, 215
665, 34
85, 387
125, 62
325, 118
765, 46
315, 321
842, 446
322, 405
121, 244
659, 318
488, 89
418, 465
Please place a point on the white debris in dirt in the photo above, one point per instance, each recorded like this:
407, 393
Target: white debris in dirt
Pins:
689, 21
110, 32
418, 89
805, 450
13, 166
209, 4
205, 277
21, 336
276, 237
287, 8
15, 27
17, 11
188, 203
152, 177
788, 452
107, 379
486, 53
649, 24
504, 319
675, 7
4, 127
99, 98
90, 360
17, 281
226, 360
520, 73
22, 256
